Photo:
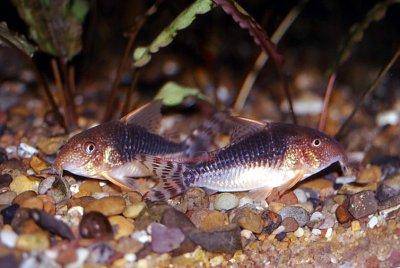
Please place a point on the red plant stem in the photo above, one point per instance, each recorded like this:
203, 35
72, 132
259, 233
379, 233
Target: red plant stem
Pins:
127, 104
325, 108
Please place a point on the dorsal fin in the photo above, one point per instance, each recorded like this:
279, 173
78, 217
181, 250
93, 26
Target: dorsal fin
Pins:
243, 127
147, 116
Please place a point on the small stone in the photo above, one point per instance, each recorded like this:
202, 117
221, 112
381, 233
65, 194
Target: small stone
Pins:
245, 200
290, 224
217, 261
272, 221
329, 234
362, 204
388, 188
288, 198
316, 232
300, 195
8, 237
370, 174
122, 226
280, 236
19, 199
29, 242
3, 155
249, 219
50, 145
342, 214
5, 180
7, 197
164, 239
33, 202
299, 232
275, 206
100, 253
51, 224
339, 199
372, 262
133, 211
394, 258
48, 204
38, 164
297, 213
94, 225
372, 222
355, 226
23, 183
196, 198
8, 213
209, 220
226, 201
108, 206
46, 184
350, 189
226, 240
328, 222
88, 188
134, 197
323, 187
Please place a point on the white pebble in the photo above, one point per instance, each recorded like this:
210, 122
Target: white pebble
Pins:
226, 201
26, 151
329, 234
130, 257
74, 188
299, 232
216, 261
391, 117
246, 233
373, 222
301, 195
345, 179
245, 200
102, 184
316, 231
82, 254
141, 236
8, 238
278, 230
100, 195
317, 216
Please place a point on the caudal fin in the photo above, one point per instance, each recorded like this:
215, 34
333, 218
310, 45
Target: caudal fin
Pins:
170, 174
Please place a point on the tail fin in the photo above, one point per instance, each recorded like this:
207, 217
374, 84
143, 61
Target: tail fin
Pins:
171, 178
201, 139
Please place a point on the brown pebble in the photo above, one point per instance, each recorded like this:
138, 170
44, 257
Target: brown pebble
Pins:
362, 204
48, 204
290, 224
5, 180
81, 201
288, 198
19, 199
249, 219
94, 225
196, 198
342, 214
33, 202
209, 220
110, 205
272, 221
134, 197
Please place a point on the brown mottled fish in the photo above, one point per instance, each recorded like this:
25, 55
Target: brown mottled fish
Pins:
260, 158
114, 151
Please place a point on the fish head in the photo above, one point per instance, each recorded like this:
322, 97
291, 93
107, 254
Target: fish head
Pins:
312, 151
90, 152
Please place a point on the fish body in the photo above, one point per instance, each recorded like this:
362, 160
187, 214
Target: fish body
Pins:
113, 151
262, 157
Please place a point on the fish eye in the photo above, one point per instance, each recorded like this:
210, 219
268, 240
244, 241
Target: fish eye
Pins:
89, 147
316, 142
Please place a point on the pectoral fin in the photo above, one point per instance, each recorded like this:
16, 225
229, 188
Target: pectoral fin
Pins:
260, 194
298, 177
126, 184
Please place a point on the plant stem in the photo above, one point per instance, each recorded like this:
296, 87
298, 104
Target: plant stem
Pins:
263, 56
343, 129
127, 104
325, 109
113, 97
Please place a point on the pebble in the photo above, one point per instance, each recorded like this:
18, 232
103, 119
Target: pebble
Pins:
50, 145
342, 214
37, 164
133, 211
299, 232
23, 183
288, 198
226, 240
370, 174
290, 224
8, 237
388, 188
324, 187
373, 221
329, 234
94, 225
88, 188
5, 180
362, 204
19, 199
36, 241
316, 232
249, 219
48, 204
275, 206
8, 213
3, 155
297, 213
196, 198
355, 226
164, 239
7, 197
225, 201
121, 226
272, 221
111, 205
209, 220
46, 184
100, 253
26, 151
328, 223
51, 224
33, 202
300, 195
245, 200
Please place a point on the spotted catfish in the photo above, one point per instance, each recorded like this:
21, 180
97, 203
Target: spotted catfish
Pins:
114, 151
261, 157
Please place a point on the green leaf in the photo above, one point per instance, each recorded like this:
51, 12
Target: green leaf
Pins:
173, 94
142, 55
9, 39
55, 25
